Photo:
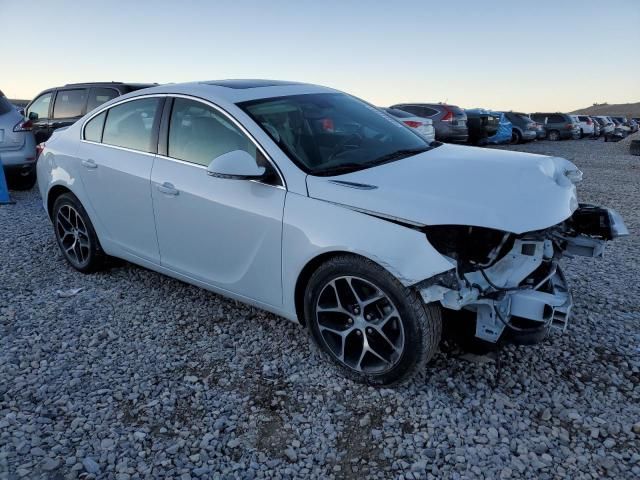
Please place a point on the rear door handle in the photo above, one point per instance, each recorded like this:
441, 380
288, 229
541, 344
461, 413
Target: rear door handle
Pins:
168, 189
89, 163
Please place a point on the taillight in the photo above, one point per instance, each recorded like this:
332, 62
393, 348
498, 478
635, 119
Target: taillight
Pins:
569, 126
412, 123
39, 149
589, 122
23, 126
448, 117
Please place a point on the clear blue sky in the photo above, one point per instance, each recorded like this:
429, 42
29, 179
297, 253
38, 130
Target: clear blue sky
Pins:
543, 54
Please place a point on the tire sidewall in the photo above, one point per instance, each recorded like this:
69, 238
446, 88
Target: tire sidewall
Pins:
414, 334
94, 258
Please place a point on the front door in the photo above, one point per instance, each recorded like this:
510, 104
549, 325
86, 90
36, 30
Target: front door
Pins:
116, 158
224, 232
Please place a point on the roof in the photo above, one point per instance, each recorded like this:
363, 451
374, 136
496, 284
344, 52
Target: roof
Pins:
234, 91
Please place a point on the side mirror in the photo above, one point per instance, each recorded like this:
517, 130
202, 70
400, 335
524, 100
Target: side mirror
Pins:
236, 165
33, 116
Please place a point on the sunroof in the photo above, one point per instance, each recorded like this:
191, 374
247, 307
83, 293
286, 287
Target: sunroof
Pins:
249, 83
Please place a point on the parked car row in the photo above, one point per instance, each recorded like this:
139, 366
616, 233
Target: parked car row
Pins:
480, 127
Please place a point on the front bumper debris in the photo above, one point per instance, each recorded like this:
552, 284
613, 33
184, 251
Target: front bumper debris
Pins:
522, 288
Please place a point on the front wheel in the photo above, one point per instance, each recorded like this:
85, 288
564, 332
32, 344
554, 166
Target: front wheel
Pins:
76, 237
375, 329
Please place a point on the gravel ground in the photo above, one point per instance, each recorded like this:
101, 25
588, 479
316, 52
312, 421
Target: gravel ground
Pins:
142, 376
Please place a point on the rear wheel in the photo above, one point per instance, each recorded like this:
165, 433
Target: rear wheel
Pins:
581, 133
553, 135
376, 330
516, 137
76, 237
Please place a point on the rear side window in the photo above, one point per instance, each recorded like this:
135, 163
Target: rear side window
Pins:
538, 117
556, 119
199, 133
130, 125
40, 106
93, 128
69, 103
428, 112
98, 96
412, 109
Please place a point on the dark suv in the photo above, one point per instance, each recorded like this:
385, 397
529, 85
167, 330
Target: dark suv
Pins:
559, 126
62, 106
449, 121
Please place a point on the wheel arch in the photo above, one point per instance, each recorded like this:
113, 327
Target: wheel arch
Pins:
305, 274
53, 194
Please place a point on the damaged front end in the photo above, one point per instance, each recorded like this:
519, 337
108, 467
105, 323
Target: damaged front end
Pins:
513, 282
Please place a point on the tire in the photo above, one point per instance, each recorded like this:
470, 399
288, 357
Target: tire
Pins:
553, 135
581, 133
22, 182
75, 234
516, 137
339, 324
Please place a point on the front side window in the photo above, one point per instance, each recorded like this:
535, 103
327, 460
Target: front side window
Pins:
130, 124
69, 103
333, 133
40, 106
198, 134
93, 128
98, 96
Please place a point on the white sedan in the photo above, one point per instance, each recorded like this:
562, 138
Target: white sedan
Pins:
314, 205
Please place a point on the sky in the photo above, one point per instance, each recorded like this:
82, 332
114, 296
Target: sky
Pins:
526, 56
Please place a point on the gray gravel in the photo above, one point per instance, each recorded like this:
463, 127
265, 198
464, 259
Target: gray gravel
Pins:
141, 376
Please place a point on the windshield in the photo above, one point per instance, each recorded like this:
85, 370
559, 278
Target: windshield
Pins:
333, 133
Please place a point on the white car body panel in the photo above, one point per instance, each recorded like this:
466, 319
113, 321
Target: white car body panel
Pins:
117, 184
251, 241
458, 185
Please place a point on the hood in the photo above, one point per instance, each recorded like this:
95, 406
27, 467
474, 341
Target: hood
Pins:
456, 185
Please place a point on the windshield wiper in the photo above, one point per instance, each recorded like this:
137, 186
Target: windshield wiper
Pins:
398, 154
338, 169
352, 166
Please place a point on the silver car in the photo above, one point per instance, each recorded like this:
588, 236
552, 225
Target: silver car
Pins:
17, 147
316, 206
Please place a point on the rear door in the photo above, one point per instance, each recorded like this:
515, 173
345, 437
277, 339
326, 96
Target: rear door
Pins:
69, 105
38, 112
117, 154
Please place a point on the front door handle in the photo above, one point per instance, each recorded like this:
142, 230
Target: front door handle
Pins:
168, 189
89, 163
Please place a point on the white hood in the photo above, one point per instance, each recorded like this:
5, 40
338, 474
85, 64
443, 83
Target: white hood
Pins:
456, 185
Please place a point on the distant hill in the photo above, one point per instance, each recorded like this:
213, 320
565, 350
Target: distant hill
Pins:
626, 109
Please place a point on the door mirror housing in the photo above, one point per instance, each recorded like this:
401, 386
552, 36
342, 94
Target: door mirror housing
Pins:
33, 116
236, 165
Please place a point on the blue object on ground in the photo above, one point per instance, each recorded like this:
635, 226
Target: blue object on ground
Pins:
4, 190
503, 135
